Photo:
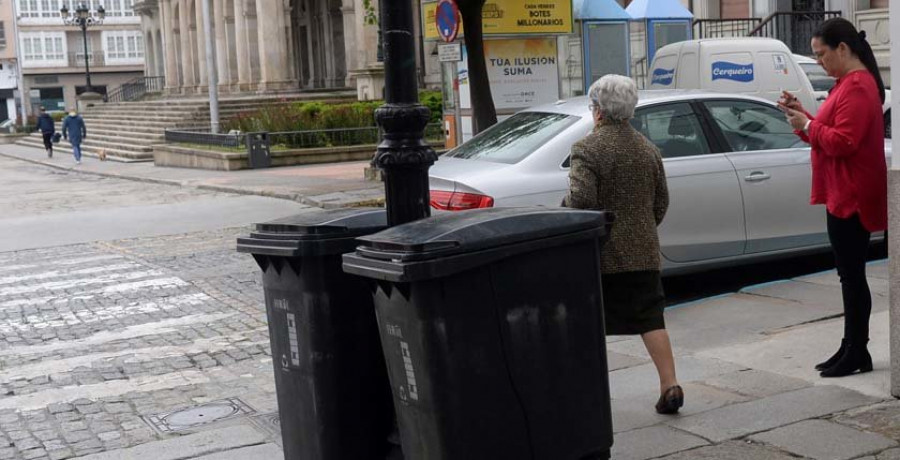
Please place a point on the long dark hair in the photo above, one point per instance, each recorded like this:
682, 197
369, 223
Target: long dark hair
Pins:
837, 30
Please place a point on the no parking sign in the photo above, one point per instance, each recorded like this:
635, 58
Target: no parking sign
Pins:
446, 18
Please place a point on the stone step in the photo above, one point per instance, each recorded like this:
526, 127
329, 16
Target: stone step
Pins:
149, 136
107, 142
146, 117
113, 155
115, 138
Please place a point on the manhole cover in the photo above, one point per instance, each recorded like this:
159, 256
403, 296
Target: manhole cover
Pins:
199, 415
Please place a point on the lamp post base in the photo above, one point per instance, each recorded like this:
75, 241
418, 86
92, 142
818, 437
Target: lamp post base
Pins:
88, 99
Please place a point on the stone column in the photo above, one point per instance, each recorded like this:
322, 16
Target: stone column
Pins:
272, 45
200, 34
224, 69
245, 74
189, 82
350, 54
168, 38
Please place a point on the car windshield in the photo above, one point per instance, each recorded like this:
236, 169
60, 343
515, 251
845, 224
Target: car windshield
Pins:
817, 76
513, 139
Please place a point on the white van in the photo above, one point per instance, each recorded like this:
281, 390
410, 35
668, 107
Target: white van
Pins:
759, 66
762, 67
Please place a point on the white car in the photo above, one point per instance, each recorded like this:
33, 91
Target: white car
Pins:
738, 176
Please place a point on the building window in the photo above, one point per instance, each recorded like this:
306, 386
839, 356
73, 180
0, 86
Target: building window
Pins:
2, 36
44, 49
50, 8
123, 47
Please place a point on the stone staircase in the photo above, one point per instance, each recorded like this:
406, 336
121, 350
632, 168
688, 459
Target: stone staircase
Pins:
127, 131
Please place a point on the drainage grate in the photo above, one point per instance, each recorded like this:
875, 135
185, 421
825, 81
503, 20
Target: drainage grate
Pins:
204, 414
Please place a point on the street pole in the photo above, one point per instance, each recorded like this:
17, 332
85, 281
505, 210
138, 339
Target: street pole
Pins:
403, 155
19, 68
87, 66
211, 70
893, 235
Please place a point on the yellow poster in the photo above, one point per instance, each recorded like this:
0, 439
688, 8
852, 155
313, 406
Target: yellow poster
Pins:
513, 17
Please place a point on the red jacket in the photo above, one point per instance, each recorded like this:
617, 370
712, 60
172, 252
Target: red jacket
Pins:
849, 170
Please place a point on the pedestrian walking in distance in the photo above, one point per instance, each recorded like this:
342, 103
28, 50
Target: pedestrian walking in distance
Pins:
74, 130
615, 168
849, 175
47, 127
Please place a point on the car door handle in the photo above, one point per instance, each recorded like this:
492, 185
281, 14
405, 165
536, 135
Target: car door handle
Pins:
757, 176
821, 98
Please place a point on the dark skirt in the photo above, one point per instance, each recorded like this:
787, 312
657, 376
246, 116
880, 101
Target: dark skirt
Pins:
633, 302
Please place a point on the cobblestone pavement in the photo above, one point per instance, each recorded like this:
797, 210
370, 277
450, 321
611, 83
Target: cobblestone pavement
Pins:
97, 338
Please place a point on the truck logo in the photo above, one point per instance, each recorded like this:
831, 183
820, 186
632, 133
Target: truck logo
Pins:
722, 70
662, 77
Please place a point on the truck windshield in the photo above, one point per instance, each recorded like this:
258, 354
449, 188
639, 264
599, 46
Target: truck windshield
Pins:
513, 139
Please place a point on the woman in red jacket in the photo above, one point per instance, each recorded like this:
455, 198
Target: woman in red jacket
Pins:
849, 175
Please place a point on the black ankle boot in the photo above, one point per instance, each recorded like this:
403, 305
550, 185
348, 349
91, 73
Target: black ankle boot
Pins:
855, 358
834, 358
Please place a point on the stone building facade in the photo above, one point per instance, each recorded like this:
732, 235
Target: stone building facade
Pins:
261, 45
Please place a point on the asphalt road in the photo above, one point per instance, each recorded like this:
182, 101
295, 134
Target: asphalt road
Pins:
42, 207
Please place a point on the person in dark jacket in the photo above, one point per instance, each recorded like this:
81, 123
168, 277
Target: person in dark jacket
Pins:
47, 127
74, 130
617, 169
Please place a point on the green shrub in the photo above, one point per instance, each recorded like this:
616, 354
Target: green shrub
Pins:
316, 116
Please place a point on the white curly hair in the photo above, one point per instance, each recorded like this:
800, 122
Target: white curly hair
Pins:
615, 96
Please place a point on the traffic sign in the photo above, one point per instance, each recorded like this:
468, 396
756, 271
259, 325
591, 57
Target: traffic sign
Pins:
447, 20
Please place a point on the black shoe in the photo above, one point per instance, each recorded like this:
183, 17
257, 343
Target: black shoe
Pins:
855, 358
49, 153
834, 358
670, 401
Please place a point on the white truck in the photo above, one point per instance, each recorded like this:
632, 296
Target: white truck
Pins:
760, 66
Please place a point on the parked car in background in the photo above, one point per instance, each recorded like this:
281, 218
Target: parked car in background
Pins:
739, 178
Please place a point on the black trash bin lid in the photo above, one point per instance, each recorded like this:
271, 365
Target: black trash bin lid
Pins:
476, 230
316, 232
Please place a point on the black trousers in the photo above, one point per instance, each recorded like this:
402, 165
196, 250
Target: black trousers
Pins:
850, 242
48, 140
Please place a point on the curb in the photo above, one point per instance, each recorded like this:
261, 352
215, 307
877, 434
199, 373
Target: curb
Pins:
303, 199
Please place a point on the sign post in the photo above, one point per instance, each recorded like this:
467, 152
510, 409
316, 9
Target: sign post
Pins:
446, 20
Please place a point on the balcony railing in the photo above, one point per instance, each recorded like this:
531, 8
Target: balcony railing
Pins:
724, 28
795, 29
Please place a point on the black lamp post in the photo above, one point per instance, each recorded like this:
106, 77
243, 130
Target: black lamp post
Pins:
83, 18
403, 155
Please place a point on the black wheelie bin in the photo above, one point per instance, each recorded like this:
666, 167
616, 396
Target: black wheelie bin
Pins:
334, 397
492, 326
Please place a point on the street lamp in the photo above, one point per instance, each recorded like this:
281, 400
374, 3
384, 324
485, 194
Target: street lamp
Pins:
403, 155
83, 18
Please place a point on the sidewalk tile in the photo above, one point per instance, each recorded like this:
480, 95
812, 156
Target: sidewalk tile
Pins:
824, 440
741, 419
637, 412
641, 380
757, 383
732, 450
260, 452
883, 419
188, 446
652, 442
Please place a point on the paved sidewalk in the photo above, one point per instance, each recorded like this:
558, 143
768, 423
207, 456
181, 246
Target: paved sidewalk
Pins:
327, 185
179, 322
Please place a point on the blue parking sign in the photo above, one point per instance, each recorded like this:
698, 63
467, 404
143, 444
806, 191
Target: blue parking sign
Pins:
446, 18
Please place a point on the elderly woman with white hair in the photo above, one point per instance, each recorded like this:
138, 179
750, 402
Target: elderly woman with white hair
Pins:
617, 169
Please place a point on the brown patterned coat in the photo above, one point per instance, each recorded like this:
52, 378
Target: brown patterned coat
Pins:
616, 168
